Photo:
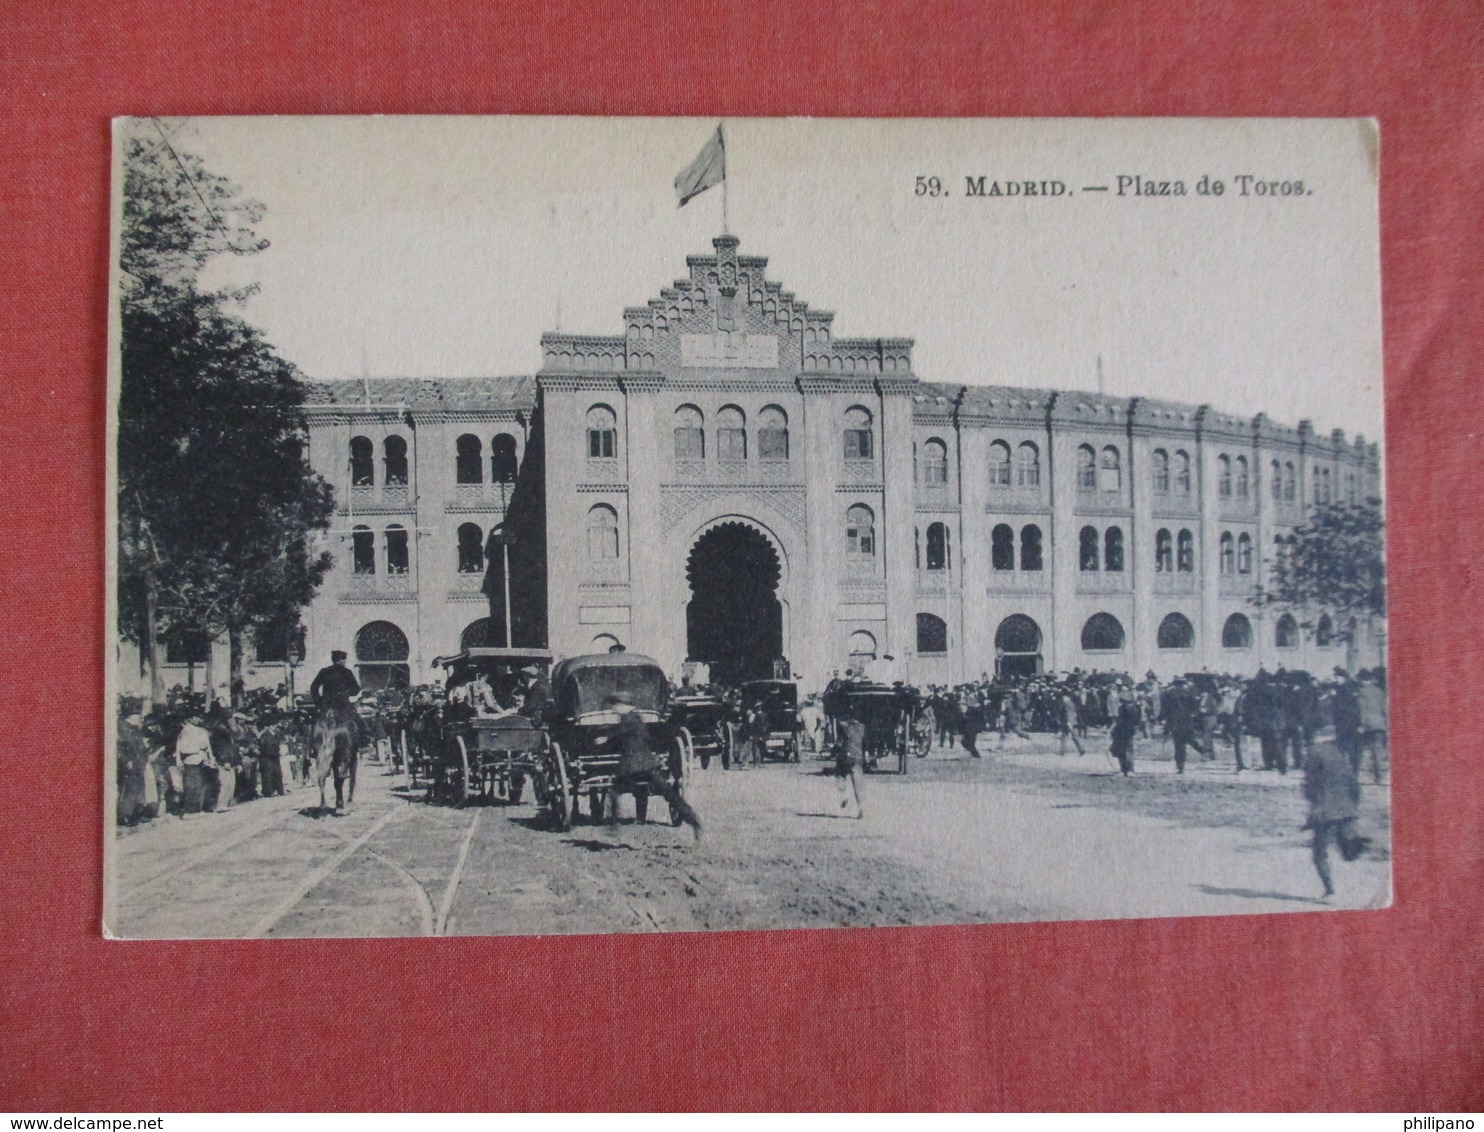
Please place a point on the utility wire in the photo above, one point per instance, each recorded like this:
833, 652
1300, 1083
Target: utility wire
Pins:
195, 188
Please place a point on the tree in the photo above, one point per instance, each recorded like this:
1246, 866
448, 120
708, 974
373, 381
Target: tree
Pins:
1335, 561
219, 511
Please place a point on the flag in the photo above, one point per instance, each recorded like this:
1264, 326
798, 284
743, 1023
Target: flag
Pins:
709, 168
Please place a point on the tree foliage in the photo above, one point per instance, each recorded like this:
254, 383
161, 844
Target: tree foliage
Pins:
219, 510
1334, 561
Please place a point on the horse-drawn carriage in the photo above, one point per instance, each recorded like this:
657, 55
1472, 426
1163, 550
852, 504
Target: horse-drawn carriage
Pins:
886, 712
582, 718
777, 701
466, 754
705, 718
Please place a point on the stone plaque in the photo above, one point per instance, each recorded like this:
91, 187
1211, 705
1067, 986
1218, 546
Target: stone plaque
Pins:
729, 351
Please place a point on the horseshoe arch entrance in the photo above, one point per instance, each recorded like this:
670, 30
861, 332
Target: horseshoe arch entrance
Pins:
734, 620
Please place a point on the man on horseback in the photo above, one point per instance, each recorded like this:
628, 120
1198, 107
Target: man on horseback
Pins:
337, 729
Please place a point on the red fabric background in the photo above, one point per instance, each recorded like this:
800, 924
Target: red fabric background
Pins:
1325, 1011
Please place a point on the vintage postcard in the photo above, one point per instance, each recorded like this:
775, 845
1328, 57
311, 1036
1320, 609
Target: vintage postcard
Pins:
545, 525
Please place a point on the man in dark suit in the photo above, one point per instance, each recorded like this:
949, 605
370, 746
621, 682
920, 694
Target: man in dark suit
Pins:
335, 685
639, 768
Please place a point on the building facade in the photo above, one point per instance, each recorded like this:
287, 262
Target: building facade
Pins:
726, 481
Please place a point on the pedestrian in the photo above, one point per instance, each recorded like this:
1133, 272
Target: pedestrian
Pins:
1125, 724
850, 759
1182, 719
1333, 793
1067, 721
1345, 712
639, 768
193, 756
1371, 700
971, 723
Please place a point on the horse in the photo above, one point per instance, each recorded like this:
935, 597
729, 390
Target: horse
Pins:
336, 737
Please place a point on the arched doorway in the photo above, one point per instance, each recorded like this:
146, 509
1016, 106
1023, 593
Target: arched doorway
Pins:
1017, 647
734, 621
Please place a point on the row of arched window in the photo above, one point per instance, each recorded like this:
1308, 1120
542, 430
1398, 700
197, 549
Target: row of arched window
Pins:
689, 431
468, 460
1171, 474
1174, 554
1023, 471
1099, 471
1110, 543
1103, 632
731, 434
1233, 479
396, 557
1236, 553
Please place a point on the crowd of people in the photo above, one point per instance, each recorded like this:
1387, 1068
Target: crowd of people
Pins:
1275, 716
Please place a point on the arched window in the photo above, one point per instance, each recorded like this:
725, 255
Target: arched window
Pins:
478, 635
731, 435
690, 434
1164, 552
602, 534
937, 547
1244, 554
1236, 633
1286, 632
503, 462
1228, 553
1316, 492
1242, 483
935, 463
1002, 547
999, 464
471, 549
381, 657
862, 648
1027, 465
1277, 489
932, 634
1102, 633
1224, 477
362, 462
394, 460
396, 549
1324, 631
1290, 483
1018, 634
1087, 468
1185, 553
1110, 475
1182, 473
1159, 465
363, 550
1087, 548
1175, 632
857, 434
1328, 493
1030, 547
860, 532
1350, 493
469, 463
602, 433
1113, 550
772, 434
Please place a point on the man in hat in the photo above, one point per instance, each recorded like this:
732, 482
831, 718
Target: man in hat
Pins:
1333, 794
639, 769
335, 685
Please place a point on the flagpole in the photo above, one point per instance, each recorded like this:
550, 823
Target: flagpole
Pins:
726, 228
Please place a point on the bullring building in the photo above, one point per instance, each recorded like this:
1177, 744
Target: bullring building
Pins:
724, 480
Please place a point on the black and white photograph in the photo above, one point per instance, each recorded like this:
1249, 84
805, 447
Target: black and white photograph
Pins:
532, 526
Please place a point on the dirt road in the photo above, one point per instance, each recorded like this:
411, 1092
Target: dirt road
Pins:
1023, 834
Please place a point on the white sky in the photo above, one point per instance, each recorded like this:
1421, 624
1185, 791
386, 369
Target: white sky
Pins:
432, 247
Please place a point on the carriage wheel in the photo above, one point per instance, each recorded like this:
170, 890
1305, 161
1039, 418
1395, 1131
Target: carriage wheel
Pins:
561, 798
726, 746
687, 749
463, 786
795, 748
